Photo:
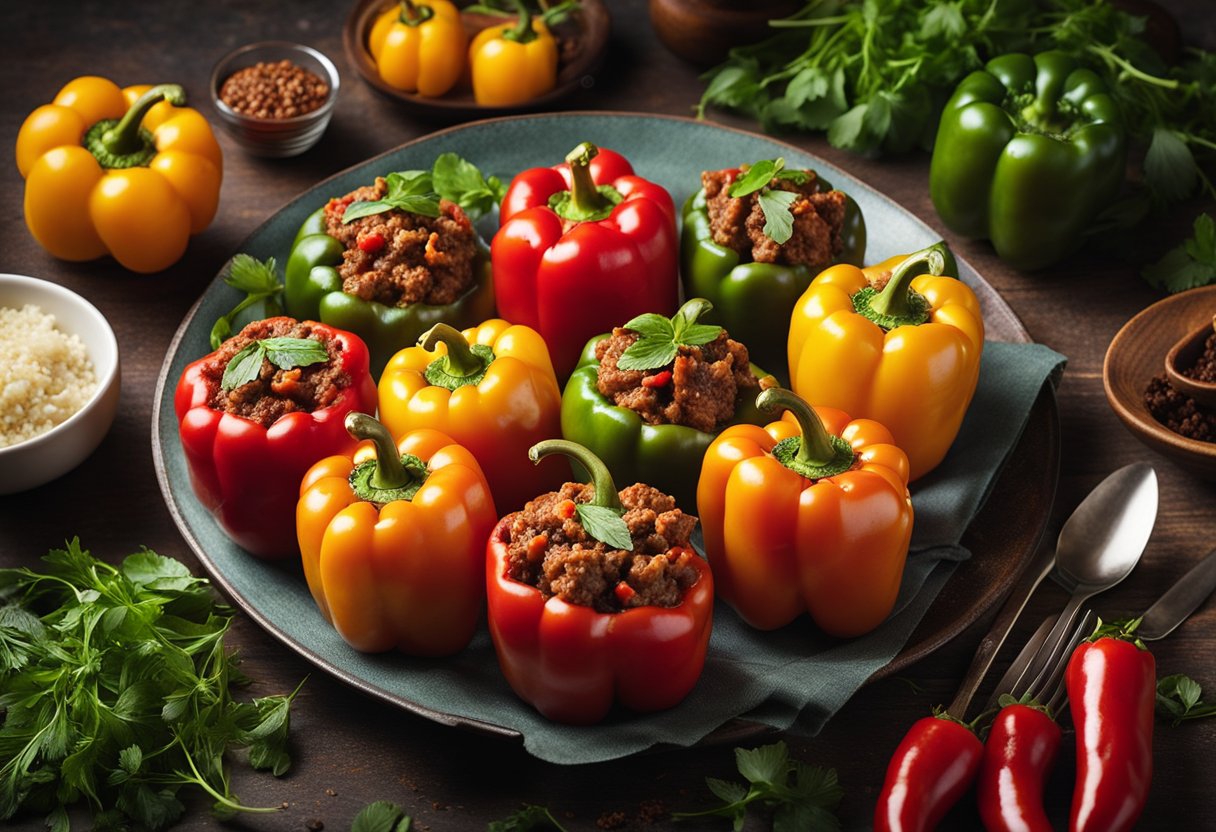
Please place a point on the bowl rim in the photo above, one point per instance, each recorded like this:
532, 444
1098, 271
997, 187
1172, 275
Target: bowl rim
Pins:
1135, 415
331, 70
104, 383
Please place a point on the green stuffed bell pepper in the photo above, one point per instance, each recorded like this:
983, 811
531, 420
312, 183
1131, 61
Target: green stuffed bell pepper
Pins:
677, 379
1028, 152
314, 288
755, 280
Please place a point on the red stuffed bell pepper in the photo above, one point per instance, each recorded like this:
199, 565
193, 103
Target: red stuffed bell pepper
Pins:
596, 597
258, 412
583, 246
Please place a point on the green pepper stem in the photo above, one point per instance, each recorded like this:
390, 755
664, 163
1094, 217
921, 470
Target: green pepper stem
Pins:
412, 15
583, 191
523, 31
460, 361
693, 309
816, 447
895, 299
390, 473
124, 138
601, 477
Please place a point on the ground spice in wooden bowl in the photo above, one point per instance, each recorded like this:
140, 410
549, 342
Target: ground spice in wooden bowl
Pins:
274, 90
1179, 412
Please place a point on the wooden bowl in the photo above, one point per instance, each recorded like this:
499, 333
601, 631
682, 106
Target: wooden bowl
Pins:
1137, 354
588, 29
1182, 357
703, 31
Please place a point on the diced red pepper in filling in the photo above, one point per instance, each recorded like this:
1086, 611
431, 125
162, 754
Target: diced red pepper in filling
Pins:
624, 592
565, 509
371, 243
657, 380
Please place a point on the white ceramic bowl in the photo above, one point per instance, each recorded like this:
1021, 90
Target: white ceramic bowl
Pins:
269, 136
50, 455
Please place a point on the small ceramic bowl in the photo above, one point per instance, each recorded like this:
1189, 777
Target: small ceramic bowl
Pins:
50, 455
1137, 354
275, 137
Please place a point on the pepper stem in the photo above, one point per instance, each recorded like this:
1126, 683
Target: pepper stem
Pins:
817, 453
898, 304
412, 15
390, 476
124, 137
463, 364
605, 488
523, 31
585, 201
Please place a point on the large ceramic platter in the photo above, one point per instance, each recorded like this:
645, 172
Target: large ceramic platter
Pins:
672, 151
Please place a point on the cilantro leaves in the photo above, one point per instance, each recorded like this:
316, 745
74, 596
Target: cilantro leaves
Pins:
260, 282
419, 191
1189, 265
775, 203
1178, 699
283, 353
660, 337
124, 671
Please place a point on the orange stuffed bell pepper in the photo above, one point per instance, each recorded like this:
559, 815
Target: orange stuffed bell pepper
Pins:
393, 542
127, 172
808, 514
907, 356
492, 389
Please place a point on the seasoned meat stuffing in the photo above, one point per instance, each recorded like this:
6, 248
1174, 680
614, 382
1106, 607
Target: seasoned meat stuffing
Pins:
699, 390
738, 223
550, 550
276, 392
398, 258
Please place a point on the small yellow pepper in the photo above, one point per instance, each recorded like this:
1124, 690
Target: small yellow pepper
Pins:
513, 63
419, 46
128, 172
907, 356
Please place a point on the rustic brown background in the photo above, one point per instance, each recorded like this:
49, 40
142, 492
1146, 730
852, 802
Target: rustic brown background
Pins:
350, 749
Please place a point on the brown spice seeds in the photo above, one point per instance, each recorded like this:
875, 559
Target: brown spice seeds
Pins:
274, 90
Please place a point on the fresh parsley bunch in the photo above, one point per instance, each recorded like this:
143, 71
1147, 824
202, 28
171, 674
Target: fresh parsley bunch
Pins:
116, 690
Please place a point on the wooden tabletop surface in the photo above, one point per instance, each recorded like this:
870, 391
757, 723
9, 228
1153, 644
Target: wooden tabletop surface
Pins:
350, 749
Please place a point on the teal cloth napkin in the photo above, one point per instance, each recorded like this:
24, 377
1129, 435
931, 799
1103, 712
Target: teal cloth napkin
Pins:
796, 673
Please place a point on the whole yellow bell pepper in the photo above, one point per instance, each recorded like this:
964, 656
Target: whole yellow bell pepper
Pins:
393, 541
492, 389
907, 356
419, 46
127, 172
513, 63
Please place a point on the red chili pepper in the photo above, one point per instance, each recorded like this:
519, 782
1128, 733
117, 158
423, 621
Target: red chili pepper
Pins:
371, 243
607, 252
249, 476
1018, 755
657, 380
1112, 685
931, 769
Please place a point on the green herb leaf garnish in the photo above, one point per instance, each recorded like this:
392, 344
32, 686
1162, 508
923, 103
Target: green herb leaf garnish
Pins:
775, 203
660, 338
459, 180
283, 353
778, 218
412, 191
1178, 699
381, 816
259, 280
605, 525
529, 817
1189, 265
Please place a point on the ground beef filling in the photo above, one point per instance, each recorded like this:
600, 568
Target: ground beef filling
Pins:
550, 550
700, 390
277, 392
397, 258
738, 223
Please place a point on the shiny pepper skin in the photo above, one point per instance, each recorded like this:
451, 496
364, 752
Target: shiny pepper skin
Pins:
1018, 756
931, 769
419, 46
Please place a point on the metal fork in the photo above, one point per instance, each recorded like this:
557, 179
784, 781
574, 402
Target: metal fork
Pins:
1048, 685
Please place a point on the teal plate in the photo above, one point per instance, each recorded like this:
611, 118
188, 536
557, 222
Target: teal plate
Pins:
673, 152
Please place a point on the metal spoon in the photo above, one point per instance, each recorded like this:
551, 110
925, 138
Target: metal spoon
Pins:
1184, 354
1098, 549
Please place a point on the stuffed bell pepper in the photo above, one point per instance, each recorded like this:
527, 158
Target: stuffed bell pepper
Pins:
387, 262
893, 344
127, 172
752, 240
595, 597
649, 397
808, 514
582, 247
393, 540
490, 388
257, 412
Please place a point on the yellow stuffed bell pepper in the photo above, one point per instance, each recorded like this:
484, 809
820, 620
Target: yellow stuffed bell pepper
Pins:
492, 389
907, 356
419, 46
128, 172
393, 541
807, 514
513, 63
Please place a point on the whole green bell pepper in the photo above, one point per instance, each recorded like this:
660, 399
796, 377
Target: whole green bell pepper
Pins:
1028, 152
754, 301
667, 457
314, 292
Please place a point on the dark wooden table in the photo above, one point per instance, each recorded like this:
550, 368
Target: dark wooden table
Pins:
349, 749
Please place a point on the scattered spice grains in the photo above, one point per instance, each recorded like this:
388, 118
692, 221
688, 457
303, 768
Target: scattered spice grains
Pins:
1179, 412
274, 90
1204, 368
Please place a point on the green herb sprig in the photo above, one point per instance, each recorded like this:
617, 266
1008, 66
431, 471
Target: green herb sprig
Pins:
529, 817
660, 338
381, 816
800, 796
419, 191
283, 353
412, 191
1188, 265
123, 669
774, 202
1178, 699
259, 280
605, 525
